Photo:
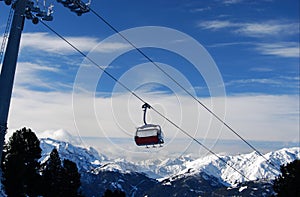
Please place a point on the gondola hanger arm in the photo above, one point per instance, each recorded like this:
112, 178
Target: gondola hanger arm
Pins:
145, 107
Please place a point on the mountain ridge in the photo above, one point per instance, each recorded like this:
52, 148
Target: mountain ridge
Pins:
183, 174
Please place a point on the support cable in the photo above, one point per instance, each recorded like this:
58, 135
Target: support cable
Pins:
185, 90
142, 100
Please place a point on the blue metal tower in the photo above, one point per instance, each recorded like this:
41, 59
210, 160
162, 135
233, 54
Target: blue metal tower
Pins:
9, 66
23, 9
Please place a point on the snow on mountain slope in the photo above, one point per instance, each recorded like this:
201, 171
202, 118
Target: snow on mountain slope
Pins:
162, 168
86, 159
251, 165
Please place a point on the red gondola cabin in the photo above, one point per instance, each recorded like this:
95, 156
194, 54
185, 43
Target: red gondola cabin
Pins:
148, 134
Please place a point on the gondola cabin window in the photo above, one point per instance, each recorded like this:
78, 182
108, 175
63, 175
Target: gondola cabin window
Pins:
146, 133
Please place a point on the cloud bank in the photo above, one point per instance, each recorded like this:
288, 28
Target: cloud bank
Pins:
46, 42
255, 117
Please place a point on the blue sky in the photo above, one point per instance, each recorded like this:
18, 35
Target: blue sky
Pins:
254, 44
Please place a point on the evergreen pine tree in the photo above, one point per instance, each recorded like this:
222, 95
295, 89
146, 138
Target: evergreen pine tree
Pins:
287, 184
71, 178
116, 193
53, 176
20, 164
108, 193
58, 180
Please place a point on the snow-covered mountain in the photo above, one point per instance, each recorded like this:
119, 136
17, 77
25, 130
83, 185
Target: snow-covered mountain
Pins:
209, 171
251, 165
85, 158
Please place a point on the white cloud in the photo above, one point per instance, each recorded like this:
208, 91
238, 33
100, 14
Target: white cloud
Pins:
41, 111
254, 29
41, 76
202, 9
265, 117
29, 74
282, 49
279, 49
59, 134
229, 2
268, 28
50, 43
282, 82
250, 81
261, 69
292, 78
225, 44
216, 24
255, 117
